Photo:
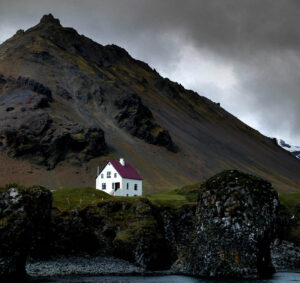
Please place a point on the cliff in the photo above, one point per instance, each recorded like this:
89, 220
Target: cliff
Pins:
228, 233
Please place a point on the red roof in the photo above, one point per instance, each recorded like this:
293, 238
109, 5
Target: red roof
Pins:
126, 171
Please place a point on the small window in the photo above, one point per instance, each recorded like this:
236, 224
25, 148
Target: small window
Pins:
102, 176
115, 175
113, 186
103, 186
108, 174
127, 195
127, 186
135, 187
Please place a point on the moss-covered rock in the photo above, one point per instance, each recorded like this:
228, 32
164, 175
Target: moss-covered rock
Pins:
24, 217
235, 221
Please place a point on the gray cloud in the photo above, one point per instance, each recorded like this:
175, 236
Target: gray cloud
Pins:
243, 53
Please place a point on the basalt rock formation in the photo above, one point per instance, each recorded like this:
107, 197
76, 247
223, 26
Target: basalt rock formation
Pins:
133, 230
229, 233
235, 225
24, 217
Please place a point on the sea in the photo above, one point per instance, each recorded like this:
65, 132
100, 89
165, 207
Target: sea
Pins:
280, 277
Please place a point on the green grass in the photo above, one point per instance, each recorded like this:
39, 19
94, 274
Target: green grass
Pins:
290, 201
78, 197
175, 198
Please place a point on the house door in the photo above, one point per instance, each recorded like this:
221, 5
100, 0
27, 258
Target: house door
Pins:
117, 186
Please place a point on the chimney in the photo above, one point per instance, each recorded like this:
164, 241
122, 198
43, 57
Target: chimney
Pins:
122, 161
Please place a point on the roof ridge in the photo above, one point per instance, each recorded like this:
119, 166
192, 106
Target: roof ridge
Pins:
127, 171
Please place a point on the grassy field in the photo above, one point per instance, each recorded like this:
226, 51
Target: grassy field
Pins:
175, 198
290, 201
78, 197
81, 197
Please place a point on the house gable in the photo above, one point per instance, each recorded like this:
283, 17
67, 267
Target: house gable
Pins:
119, 179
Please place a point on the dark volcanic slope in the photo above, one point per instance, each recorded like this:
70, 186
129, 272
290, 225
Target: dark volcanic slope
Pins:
68, 104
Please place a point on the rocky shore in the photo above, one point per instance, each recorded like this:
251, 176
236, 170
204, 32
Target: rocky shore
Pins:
64, 266
230, 233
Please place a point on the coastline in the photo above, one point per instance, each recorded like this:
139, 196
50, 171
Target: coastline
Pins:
73, 267
97, 266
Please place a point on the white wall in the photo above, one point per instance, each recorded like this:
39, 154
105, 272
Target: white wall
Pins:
130, 191
123, 191
108, 181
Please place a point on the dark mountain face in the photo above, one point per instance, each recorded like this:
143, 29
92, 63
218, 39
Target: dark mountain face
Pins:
68, 104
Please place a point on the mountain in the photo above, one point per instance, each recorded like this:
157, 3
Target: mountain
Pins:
69, 104
295, 150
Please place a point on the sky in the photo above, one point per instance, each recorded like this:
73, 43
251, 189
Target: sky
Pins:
244, 54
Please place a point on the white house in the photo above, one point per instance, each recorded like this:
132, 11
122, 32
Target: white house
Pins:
119, 178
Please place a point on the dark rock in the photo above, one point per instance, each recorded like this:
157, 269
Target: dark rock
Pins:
29, 131
35, 86
139, 121
62, 92
24, 215
235, 222
285, 255
120, 228
20, 32
49, 19
47, 143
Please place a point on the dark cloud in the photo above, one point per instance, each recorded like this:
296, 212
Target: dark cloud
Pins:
242, 53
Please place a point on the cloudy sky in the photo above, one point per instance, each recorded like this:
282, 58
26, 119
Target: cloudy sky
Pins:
244, 54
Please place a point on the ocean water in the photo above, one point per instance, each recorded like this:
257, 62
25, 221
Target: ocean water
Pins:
280, 277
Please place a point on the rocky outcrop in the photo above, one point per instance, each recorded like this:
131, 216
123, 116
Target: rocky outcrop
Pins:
131, 229
127, 229
228, 234
29, 130
177, 226
24, 216
139, 121
235, 220
285, 255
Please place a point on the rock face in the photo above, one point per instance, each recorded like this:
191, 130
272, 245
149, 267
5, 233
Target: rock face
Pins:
124, 229
139, 121
24, 216
228, 234
285, 255
133, 230
28, 129
235, 220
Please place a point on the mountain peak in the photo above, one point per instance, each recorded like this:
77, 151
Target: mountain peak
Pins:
49, 19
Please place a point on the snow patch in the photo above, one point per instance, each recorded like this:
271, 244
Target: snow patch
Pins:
295, 150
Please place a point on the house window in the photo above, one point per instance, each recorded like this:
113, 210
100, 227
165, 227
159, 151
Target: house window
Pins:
103, 186
135, 187
127, 186
108, 174
115, 175
127, 195
113, 186
102, 176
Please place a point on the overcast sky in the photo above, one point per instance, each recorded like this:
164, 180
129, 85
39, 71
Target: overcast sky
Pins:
244, 54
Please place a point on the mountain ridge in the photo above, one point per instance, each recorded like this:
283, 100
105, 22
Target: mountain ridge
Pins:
101, 95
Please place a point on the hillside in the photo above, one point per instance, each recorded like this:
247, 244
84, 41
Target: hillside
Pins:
69, 104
